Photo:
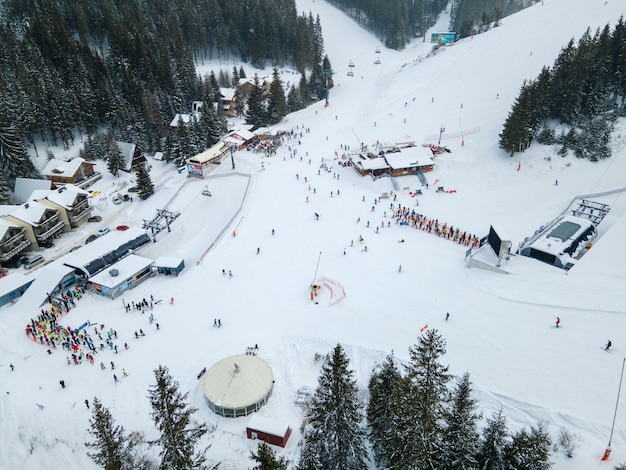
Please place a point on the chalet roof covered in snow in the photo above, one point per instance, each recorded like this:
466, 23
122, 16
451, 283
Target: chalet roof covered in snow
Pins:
63, 168
31, 212
412, 157
124, 269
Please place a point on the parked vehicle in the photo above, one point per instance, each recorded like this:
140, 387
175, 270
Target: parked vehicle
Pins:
134, 189
91, 238
33, 261
117, 201
122, 227
103, 231
16, 261
94, 218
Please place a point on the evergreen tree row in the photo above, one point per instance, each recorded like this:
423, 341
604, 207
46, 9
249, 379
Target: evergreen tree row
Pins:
179, 436
415, 420
70, 67
583, 93
395, 22
469, 17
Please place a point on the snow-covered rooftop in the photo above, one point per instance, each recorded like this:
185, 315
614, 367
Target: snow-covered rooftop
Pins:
63, 168
126, 268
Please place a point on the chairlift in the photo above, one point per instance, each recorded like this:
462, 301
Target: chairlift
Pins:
206, 192
350, 73
377, 62
351, 64
377, 50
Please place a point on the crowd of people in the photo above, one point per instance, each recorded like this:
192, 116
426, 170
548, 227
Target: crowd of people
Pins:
406, 216
45, 329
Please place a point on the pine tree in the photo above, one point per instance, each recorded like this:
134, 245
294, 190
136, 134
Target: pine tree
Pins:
384, 380
113, 155
429, 379
529, 450
5, 189
266, 459
256, 114
518, 127
112, 448
235, 78
172, 417
14, 159
331, 429
459, 441
493, 444
277, 106
144, 183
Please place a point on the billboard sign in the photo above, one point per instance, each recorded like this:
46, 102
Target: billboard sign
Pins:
442, 38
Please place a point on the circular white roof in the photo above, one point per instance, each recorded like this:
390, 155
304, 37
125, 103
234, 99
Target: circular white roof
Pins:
227, 388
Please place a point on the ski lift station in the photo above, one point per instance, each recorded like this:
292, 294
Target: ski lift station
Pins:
238, 385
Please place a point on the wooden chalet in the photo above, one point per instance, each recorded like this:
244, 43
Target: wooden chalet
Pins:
13, 240
77, 171
71, 202
133, 157
42, 223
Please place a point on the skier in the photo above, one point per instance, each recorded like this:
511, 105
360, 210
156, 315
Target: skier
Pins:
258, 250
230, 274
157, 326
558, 321
447, 315
219, 323
608, 345
172, 300
124, 373
400, 268
115, 378
112, 365
102, 366
272, 232
62, 383
12, 367
87, 403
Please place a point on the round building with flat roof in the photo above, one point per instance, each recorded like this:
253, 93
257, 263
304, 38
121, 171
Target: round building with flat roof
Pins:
238, 385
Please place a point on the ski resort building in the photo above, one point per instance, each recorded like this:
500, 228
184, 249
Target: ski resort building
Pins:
201, 165
268, 430
562, 243
394, 162
238, 385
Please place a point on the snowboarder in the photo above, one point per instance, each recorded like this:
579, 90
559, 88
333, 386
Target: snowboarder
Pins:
608, 345
62, 383
558, 321
124, 373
